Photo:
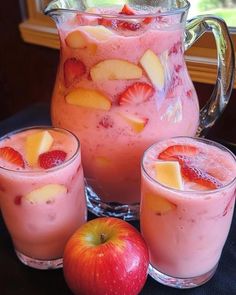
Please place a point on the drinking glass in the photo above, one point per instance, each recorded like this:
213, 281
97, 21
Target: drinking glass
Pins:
186, 229
42, 207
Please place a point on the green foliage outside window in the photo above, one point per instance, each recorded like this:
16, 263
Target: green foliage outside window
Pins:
222, 8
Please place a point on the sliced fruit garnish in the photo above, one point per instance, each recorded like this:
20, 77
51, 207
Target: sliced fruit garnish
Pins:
52, 159
76, 40
115, 69
102, 161
107, 22
36, 144
168, 173
98, 32
88, 98
137, 123
131, 26
136, 93
12, 156
127, 10
183, 154
73, 70
121, 24
199, 176
154, 68
159, 205
147, 20
45, 194
172, 151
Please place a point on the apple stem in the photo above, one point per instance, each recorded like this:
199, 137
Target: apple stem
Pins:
102, 238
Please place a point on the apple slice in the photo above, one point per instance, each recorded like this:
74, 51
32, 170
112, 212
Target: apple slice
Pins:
168, 173
76, 40
102, 161
36, 144
137, 123
45, 194
154, 68
88, 98
159, 205
98, 32
115, 69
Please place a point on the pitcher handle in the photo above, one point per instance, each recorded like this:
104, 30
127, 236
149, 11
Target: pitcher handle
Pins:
226, 66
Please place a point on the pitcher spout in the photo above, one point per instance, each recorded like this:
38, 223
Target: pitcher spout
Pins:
60, 5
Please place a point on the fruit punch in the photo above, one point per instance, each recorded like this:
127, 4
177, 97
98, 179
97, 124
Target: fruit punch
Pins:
122, 84
42, 190
187, 203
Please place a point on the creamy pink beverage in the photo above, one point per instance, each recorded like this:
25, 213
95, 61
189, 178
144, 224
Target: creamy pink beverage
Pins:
41, 193
122, 85
186, 228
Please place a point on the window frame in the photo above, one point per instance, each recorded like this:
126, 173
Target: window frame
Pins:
201, 59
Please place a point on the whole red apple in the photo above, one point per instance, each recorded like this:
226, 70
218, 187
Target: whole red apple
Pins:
106, 256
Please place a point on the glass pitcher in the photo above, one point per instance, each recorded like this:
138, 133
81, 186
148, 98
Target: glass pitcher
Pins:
123, 84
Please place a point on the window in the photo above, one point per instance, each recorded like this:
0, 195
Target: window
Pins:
225, 9
201, 58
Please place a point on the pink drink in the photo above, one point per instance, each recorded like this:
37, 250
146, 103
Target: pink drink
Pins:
187, 232
42, 207
114, 136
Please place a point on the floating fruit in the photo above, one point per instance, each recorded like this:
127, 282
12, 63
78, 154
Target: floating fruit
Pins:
52, 159
88, 98
158, 204
136, 93
12, 156
137, 123
154, 68
168, 173
115, 69
45, 194
36, 144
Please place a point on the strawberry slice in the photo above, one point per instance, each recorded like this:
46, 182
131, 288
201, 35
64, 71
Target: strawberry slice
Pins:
136, 93
131, 26
51, 159
182, 154
12, 156
107, 22
127, 10
174, 151
147, 20
199, 176
73, 70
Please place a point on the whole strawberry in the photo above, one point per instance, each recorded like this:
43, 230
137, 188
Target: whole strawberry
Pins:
51, 159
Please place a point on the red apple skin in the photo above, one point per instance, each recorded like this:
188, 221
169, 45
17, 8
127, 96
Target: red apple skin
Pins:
118, 265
